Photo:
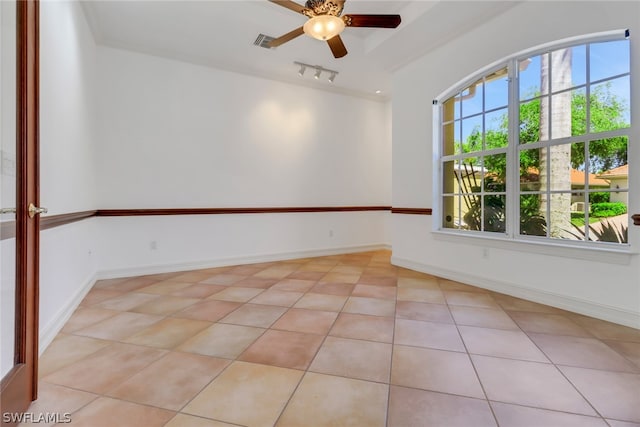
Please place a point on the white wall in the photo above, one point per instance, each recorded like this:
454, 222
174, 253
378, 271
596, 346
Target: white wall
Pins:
179, 135
174, 134
141, 245
67, 164
601, 288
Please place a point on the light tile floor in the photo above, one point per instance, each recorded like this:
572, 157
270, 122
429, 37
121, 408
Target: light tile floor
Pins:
345, 340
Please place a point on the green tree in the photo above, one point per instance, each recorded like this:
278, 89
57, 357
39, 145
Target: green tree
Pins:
608, 112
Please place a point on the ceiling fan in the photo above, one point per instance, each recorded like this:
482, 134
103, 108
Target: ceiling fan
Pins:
325, 23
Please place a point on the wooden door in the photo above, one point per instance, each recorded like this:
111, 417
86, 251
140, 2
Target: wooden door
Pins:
20, 224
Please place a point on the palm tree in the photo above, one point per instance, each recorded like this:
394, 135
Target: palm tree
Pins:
555, 122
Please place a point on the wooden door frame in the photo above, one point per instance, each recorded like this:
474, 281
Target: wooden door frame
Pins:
20, 386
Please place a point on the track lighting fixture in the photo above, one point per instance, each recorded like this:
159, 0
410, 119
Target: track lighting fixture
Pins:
318, 71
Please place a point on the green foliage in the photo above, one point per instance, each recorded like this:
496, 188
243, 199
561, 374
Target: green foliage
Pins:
531, 223
577, 218
606, 232
605, 210
599, 197
607, 113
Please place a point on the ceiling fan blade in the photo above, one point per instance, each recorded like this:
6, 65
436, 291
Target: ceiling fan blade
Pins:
287, 37
289, 5
337, 47
377, 21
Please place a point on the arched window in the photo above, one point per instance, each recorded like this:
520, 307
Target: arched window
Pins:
535, 146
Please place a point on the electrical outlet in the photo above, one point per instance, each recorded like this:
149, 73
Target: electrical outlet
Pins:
330, 233
485, 253
153, 245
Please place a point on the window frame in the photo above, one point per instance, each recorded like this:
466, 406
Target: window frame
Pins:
513, 149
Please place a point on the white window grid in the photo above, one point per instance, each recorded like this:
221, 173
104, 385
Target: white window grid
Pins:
514, 147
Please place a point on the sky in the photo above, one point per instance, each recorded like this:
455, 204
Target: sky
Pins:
607, 59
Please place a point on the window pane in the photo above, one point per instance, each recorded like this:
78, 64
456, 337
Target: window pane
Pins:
451, 212
579, 208
530, 170
449, 178
578, 65
494, 214
561, 74
472, 99
529, 77
609, 59
496, 89
471, 210
610, 103
562, 176
610, 221
495, 173
578, 229
448, 109
578, 112
469, 173
530, 120
472, 134
560, 115
451, 138
496, 129
457, 107
559, 214
608, 159
532, 221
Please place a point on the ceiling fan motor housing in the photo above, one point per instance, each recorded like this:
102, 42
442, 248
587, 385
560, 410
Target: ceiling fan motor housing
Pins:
325, 7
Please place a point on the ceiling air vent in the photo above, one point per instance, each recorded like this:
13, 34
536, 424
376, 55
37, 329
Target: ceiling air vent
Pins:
262, 40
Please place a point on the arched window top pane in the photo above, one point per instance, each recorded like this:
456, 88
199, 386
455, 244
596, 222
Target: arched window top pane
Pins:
608, 59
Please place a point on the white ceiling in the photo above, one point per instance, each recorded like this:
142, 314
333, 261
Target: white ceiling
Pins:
221, 34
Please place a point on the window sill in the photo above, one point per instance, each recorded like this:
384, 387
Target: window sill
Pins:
608, 255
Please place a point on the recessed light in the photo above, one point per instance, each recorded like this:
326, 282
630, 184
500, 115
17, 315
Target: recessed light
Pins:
378, 91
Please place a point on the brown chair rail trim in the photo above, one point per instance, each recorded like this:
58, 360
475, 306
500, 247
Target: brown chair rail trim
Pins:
226, 211
52, 221
412, 211
636, 219
8, 228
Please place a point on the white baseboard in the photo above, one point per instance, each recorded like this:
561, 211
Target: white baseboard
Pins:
223, 262
576, 305
49, 332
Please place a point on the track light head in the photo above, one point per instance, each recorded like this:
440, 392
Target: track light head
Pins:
316, 69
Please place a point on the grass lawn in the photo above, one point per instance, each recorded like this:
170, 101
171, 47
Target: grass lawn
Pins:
577, 219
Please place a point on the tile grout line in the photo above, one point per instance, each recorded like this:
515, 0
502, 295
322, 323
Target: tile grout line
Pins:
306, 370
393, 347
564, 376
173, 350
558, 370
475, 370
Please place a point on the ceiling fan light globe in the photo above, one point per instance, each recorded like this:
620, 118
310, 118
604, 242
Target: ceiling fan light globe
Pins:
323, 27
